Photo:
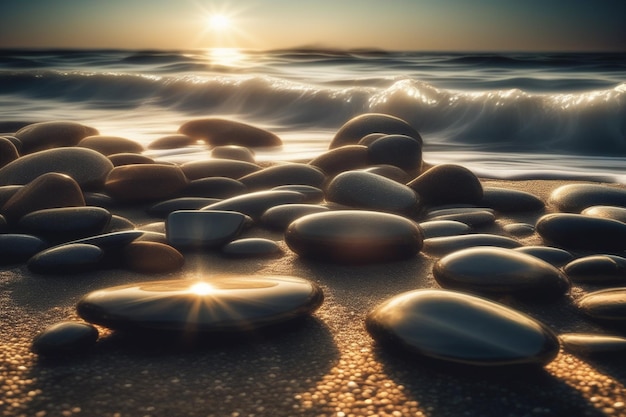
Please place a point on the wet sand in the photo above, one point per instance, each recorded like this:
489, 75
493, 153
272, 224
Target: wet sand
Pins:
326, 365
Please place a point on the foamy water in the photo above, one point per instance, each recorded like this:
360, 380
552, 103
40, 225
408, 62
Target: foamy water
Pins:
501, 115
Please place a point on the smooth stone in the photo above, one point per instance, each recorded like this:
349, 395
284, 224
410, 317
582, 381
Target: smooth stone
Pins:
401, 151
19, 247
87, 167
280, 217
8, 151
574, 198
461, 328
8, 191
240, 153
193, 229
439, 246
119, 223
216, 304
519, 229
443, 228
312, 194
218, 132
390, 171
66, 223
354, 237
367, 140
364, 190
472, 218
607, 305
109, 145
120, 159
99, 200
555, 256
111, 241
67, 259
285, 174
495, 272
152, 257
607, 212
577, 231
506, 200
592, 344
67, 337
138, 183
597, 269
455, 209
51, 190
164, 208
208, 168
255, 204
345, 158
215, 187
448, 184
172, 142
356, 128
252, 248
46, 135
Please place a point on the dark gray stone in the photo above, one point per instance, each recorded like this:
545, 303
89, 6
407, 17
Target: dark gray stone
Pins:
577, 231
360, 126
574, 198
194, 229
555, 256
280, 217
597, 269
18, 247
46, 135
255, 204
68, 337
109, 145
448, 184
66, 223
67, 259
443, 228
254, 247
398, 150
440, 246
506, 200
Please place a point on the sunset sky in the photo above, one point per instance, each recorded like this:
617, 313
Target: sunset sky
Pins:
454, 25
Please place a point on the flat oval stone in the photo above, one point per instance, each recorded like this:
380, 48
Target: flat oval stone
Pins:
448, 184
555, 256
442, 228
228, 168
597, 269
8, 151
136, 183
189, 229
607, 212
216, 304
172, 142
356, 128
215, 187
574, 198
461, 328
87, 167
51, 190
112, 240
65, 223
164, 208
255, 204
311, 194
440, 246
215, 131
592, 344
353, 237
472, 217
240, 153
286, 174
46, 135
363, 190
506, 200
19, 247
493, 272
108, 145
254, 247
280, 217
606, 305
120, 159
67, 259
519, 229
402, 151
345, 158
152, 257
577, 231
67, 337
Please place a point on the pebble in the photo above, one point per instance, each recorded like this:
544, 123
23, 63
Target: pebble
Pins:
256, 203
345, 158
311, 194
285, 174
214, 187
390, 171
109, 145
354, 237
252, 248
554, 256
87, 167
111, 241
592, 344
364, 190
67, 259
237, 303
50, 190
574, 198
63, 224
218, 132
194, 229
280, 217
208, 168
360, 126
172, 142
597, 269
440, 246
607, 305
164, 208
152, 257
120, 159
401, 151
19, 247
496, 272
67, 337
461, 328
577, 231
519, 229
448, 184
8, 151
54, 134
506, 200
607, 212
442, 228
139, 183
240, 153
471, 217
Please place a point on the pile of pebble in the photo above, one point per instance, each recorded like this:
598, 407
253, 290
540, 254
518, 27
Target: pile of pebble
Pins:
368, 199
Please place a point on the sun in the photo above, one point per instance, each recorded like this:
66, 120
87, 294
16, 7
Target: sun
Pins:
219, 22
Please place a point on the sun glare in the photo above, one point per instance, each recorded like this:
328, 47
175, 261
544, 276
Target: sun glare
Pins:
219, 22
201, 288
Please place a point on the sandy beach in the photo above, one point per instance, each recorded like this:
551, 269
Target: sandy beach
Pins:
326, 365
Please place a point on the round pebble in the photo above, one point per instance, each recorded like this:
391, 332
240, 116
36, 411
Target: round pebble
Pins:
108, 145
554, 256
506, 200
574, 198
254, 247
597, 269
448, 184
240, 153
68, 337
46, 135
152, 257
65, 223
401, 151
356, 128
191, 229
345, 158
442, 228
608, 212
280, 217
606, 305
19, 247
67, 259
577, 231
137, 183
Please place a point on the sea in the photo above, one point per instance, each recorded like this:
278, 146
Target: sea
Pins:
502, 115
